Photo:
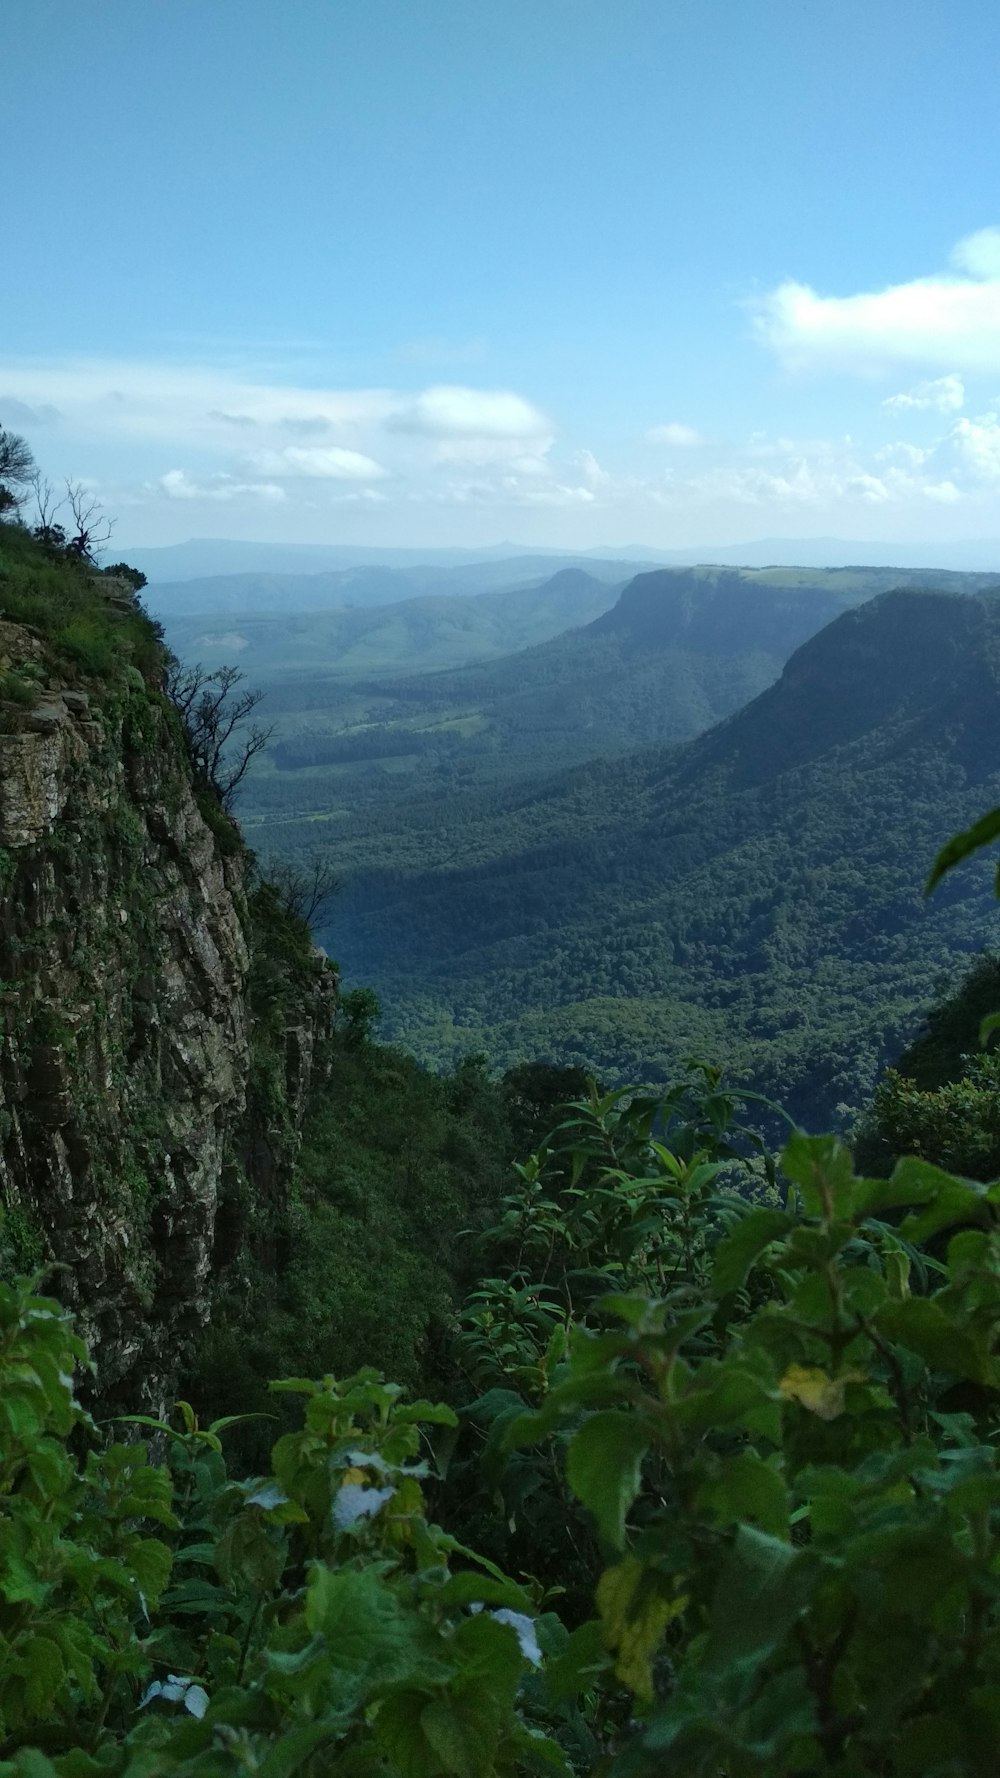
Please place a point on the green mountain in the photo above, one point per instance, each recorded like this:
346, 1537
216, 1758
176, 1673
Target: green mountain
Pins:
681, 649
363, 584
755, 896
326, 647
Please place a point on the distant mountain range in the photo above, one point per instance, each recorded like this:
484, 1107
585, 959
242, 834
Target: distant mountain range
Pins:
680, 649
423, 632
754, 896
211, 557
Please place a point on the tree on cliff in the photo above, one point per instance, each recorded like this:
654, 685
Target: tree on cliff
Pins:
215, 714
17, 466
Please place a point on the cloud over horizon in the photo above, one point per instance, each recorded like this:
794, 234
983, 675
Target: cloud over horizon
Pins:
947, 318
156, 437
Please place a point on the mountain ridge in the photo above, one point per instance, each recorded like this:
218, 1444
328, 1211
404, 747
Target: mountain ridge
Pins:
735, 894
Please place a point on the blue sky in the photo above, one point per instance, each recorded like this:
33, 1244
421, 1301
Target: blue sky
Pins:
568, 272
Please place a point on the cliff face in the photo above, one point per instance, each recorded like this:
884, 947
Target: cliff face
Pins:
125, 999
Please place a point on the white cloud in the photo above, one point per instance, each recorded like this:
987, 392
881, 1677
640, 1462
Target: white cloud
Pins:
943, 493
133, 399
593, 475
911, 456
951, 316
979, 254
977, 446
510, 490
449, 411
326, 462
676, 434
945, 395
176, 484
520, 456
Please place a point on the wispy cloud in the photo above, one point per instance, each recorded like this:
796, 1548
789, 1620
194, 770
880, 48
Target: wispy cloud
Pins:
322, 462
676, 434
944, 394
177, 484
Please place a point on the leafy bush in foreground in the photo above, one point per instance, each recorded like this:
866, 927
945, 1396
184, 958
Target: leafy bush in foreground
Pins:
783, 1457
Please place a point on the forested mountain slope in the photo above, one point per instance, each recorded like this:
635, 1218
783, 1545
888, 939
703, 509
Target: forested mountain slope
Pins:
364, 585
680, 649
755, 895
333, 645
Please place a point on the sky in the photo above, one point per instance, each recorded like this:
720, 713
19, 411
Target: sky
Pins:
565, 272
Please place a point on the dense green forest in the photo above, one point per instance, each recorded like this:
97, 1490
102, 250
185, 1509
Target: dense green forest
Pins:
537, 1427
362, 723
628, 913
423, 633
757, 895
719, 1454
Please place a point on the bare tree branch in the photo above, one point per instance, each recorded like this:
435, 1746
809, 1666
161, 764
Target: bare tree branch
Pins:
304, 890
213, 714
93, 526
46, 528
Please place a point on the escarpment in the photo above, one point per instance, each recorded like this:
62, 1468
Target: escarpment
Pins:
150, 1085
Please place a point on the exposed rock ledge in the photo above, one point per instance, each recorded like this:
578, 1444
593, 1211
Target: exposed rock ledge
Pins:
124, 1057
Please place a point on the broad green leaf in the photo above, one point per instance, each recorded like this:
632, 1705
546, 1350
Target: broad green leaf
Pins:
764, 1587
150, 1562
250, 1554
369, 1636
822, 1169
579, 1664
291, 1751
748, 1488
399, 1730
425, 1413
738, 1250
538, 1752
42, 1673
604, 1469
471, 1589
982, 833
925, 1327
463, 1730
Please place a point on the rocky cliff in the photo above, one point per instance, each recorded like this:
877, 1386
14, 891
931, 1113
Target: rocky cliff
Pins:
144, 1099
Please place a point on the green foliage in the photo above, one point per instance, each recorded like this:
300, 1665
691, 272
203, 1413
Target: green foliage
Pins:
227, 834
956, 1124
366, 1262
60, 596
359, 1008
756, 895
942, 1099
772, 1444
952, 1029
786, 1456
165, 1618
982, 833
18, 688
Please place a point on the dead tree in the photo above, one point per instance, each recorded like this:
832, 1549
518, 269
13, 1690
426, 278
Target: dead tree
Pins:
93, 527
304, 890
46, 528
214, 714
